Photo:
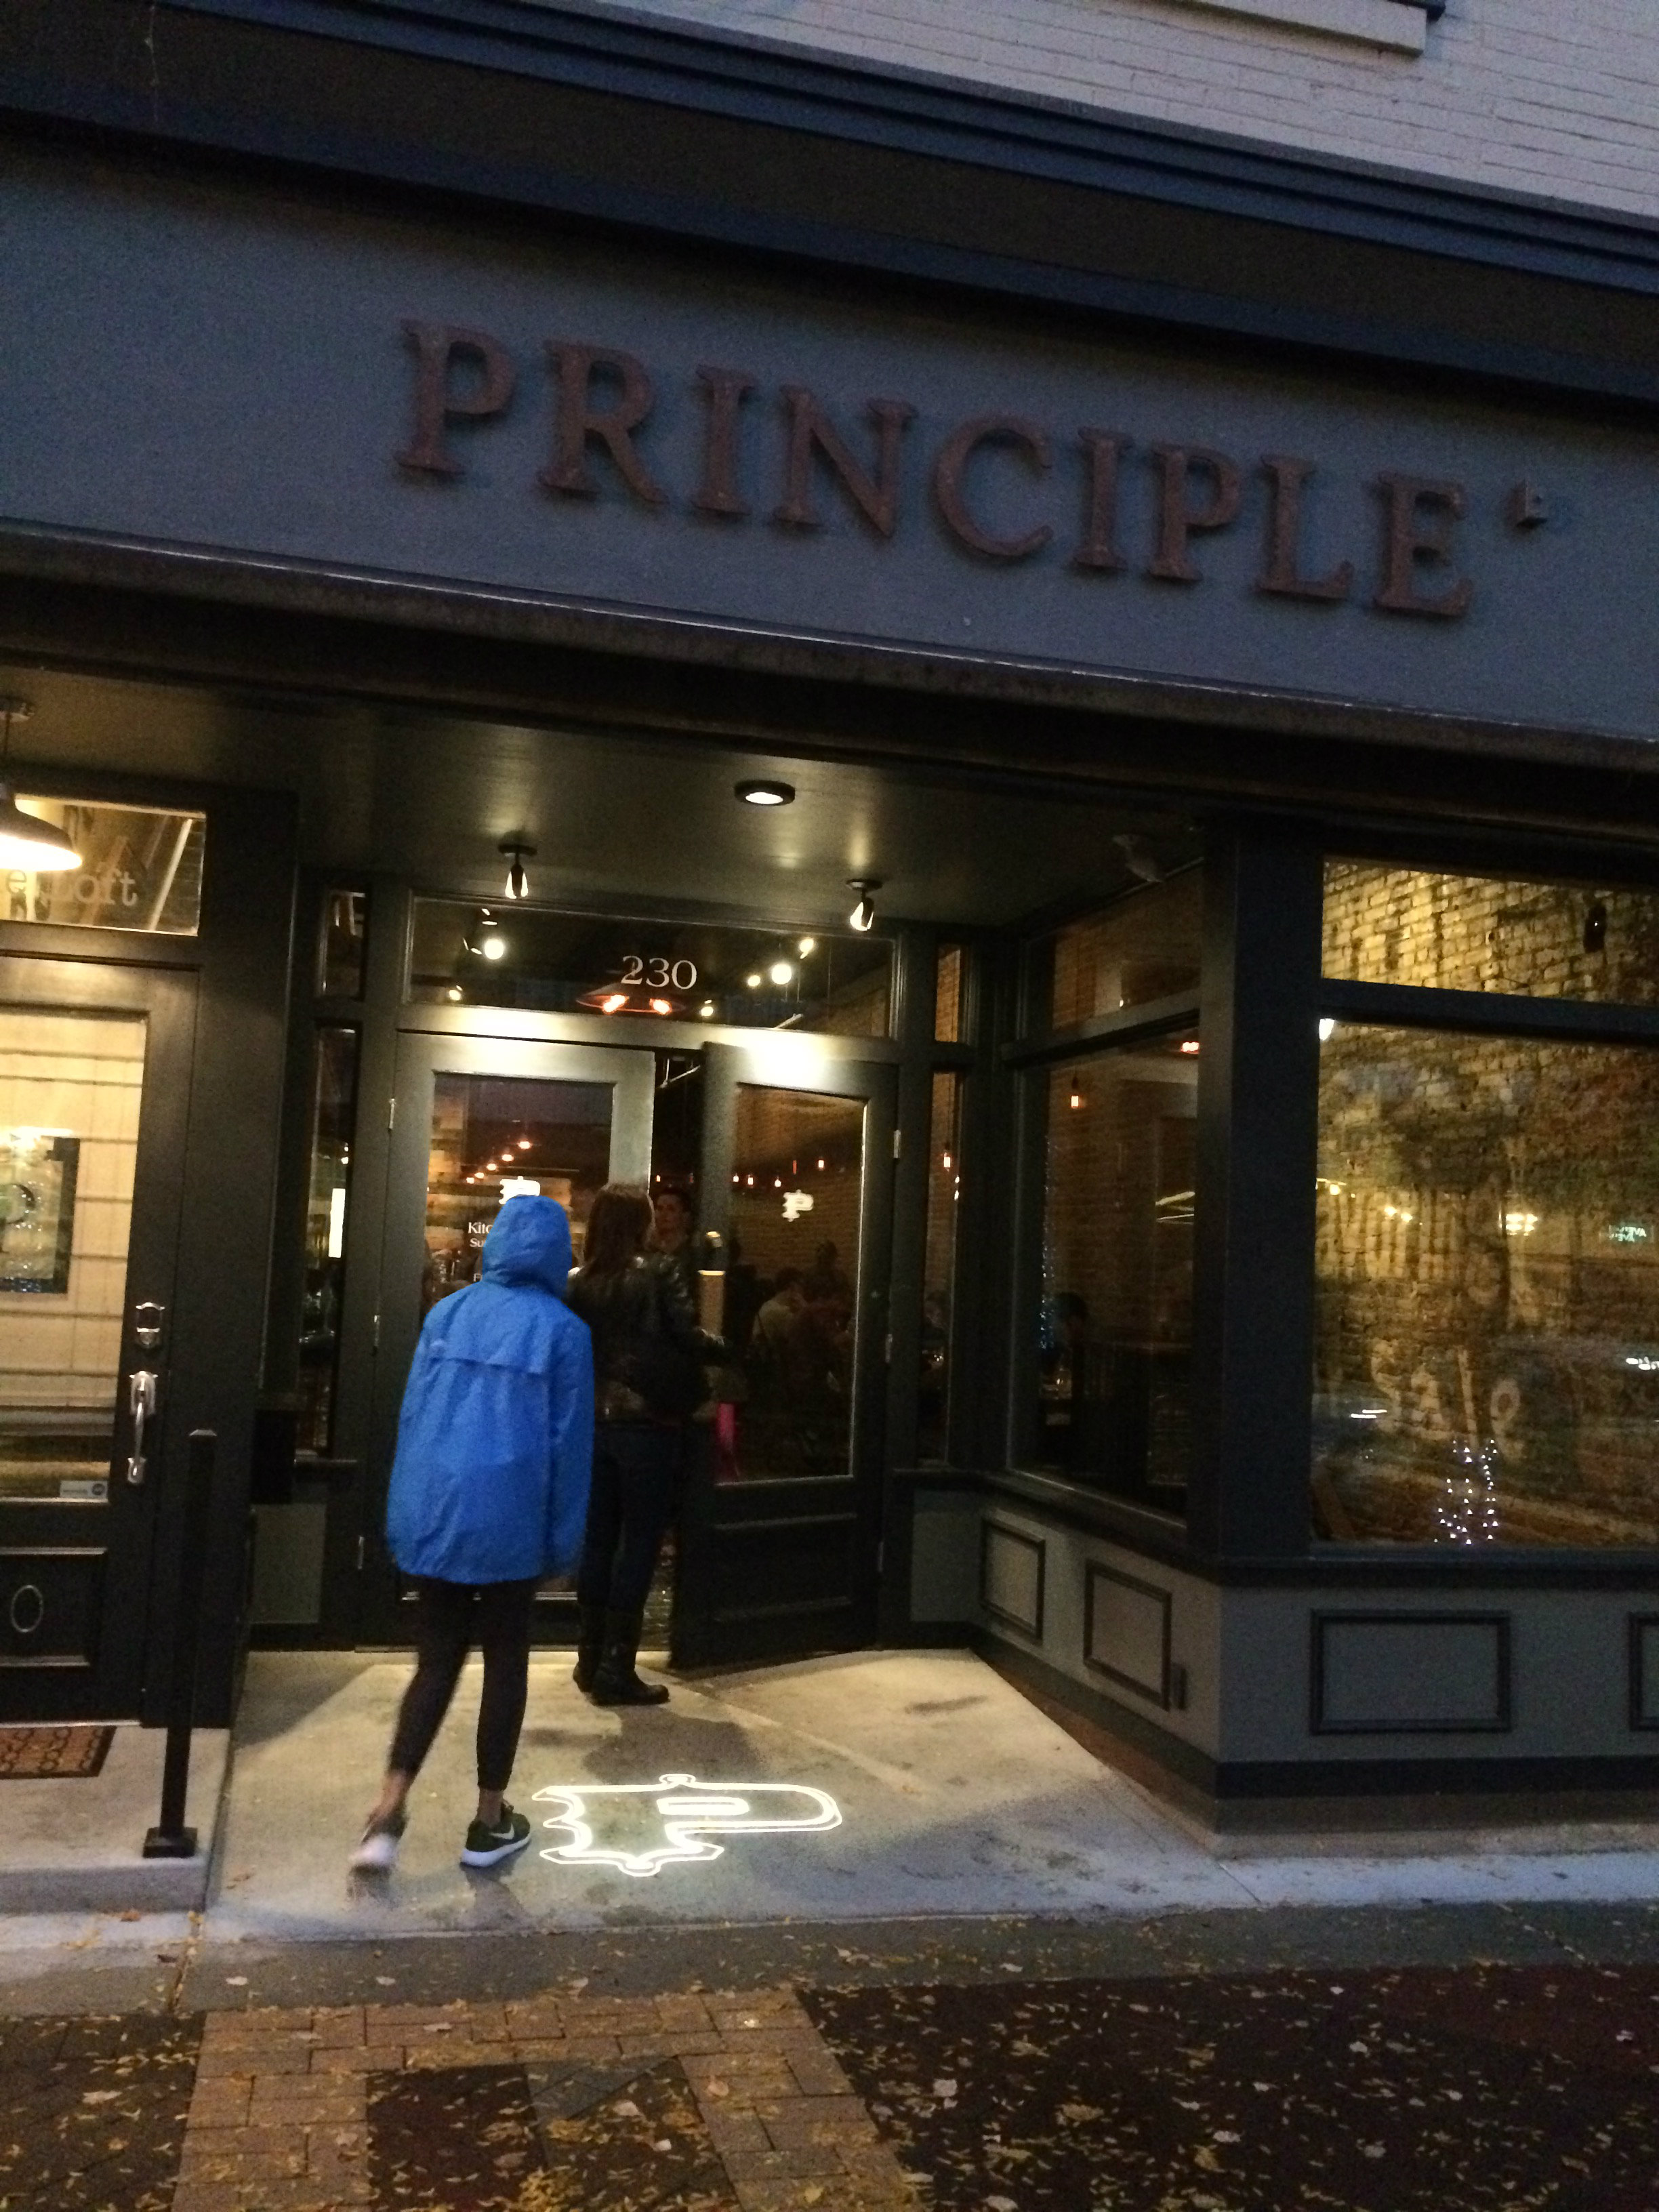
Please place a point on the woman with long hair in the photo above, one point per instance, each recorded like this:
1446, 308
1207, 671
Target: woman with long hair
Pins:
648, 1355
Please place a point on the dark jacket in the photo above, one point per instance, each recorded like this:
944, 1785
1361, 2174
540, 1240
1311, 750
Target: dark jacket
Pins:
648, 1299
494, 1440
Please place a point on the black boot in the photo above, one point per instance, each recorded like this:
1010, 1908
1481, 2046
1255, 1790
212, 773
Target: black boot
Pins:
615, 1682
590, 1643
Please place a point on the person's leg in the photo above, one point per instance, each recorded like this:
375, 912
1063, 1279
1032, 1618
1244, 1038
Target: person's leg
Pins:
649, 1460
505, 1612
443, 1624
599, 1542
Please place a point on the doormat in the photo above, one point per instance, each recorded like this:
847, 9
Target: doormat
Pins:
40, 1754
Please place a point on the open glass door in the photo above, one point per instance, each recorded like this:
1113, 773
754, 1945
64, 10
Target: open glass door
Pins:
782, 1510
477, 1119
95, 1089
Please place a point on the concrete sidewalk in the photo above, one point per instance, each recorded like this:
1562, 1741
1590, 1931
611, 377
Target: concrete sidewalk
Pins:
956, 1798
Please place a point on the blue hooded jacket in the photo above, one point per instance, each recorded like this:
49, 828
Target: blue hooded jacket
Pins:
495, 1437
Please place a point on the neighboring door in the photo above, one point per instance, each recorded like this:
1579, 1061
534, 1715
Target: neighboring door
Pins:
782, 1516
476, 1118
94, 1087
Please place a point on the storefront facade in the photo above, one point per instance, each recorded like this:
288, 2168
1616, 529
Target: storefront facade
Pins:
1196, 1242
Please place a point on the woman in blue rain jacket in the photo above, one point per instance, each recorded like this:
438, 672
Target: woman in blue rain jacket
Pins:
488, 1495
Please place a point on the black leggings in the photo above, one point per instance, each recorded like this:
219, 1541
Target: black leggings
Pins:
450, 1618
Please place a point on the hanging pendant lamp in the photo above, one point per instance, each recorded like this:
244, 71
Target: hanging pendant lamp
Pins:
26, 842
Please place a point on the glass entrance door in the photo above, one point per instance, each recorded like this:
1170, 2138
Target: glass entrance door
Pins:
782, 1516
94, 1076
476, 1121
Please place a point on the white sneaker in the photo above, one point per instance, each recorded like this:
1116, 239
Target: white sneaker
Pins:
378, 1851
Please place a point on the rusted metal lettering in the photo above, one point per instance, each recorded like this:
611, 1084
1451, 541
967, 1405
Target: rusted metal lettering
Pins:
438, 348
1177, 517
950, 468
810, 432
1281, 571
1102, 453
579, 425
725, 390
1418, 516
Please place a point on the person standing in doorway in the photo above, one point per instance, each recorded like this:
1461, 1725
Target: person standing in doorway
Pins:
488, 1494
670, 1233
648, 1357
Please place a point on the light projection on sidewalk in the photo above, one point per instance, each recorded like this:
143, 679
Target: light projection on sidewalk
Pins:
640, 1828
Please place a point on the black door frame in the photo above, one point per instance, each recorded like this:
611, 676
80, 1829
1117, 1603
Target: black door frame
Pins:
716, 1619
108, 1548
422, 1056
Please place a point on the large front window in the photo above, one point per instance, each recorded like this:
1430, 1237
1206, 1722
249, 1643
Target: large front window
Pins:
1486, 1271
1115, 1328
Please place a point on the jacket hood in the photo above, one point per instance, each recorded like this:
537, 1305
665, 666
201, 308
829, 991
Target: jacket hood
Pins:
530, 1242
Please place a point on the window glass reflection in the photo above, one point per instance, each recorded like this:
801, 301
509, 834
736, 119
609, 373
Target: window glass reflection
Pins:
791, 1286
493, 1137
633, 972
1389, 925
343, 947
1143, 946
947, 995
1114, 1329
1487, 1290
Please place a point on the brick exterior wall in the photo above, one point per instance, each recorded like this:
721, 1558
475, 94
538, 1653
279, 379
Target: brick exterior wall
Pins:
1561, 102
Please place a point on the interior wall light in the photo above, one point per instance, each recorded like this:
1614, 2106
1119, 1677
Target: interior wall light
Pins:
864, 913
1076, 1099
26, 842
764, 791
515, 852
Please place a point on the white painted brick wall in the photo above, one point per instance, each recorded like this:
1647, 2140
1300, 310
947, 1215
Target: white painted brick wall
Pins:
1554, 98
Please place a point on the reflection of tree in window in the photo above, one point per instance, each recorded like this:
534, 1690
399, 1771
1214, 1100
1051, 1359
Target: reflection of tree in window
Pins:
1487, 1315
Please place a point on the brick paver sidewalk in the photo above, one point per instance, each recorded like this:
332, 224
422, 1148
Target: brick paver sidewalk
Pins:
561, 2103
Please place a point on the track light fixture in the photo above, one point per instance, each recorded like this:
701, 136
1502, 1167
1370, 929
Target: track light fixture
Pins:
864, 913
515, 852
764, 791
26, 842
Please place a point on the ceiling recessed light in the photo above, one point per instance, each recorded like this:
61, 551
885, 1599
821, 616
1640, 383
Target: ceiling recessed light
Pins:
764, 791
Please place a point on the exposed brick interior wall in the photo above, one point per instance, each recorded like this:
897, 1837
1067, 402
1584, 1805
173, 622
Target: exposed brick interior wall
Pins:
1487, 1248
1558, 101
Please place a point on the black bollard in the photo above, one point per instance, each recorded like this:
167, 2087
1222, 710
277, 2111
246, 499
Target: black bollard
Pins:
170, 1838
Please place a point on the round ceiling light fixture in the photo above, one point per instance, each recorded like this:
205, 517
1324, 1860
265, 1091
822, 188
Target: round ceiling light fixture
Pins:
765, 791
26, 841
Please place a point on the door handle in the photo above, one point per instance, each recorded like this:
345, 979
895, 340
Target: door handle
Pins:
141, 1399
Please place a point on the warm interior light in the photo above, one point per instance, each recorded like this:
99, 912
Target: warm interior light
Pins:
1190, 1046
613, 1002
1327, 1029
820, 1165
945, 1161
706, 1011
27, 842
753, 982
494, 947
662, 1005
864, 913
453, 991
515, 852
764, 791
807, 945
781, 971
524, 1143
